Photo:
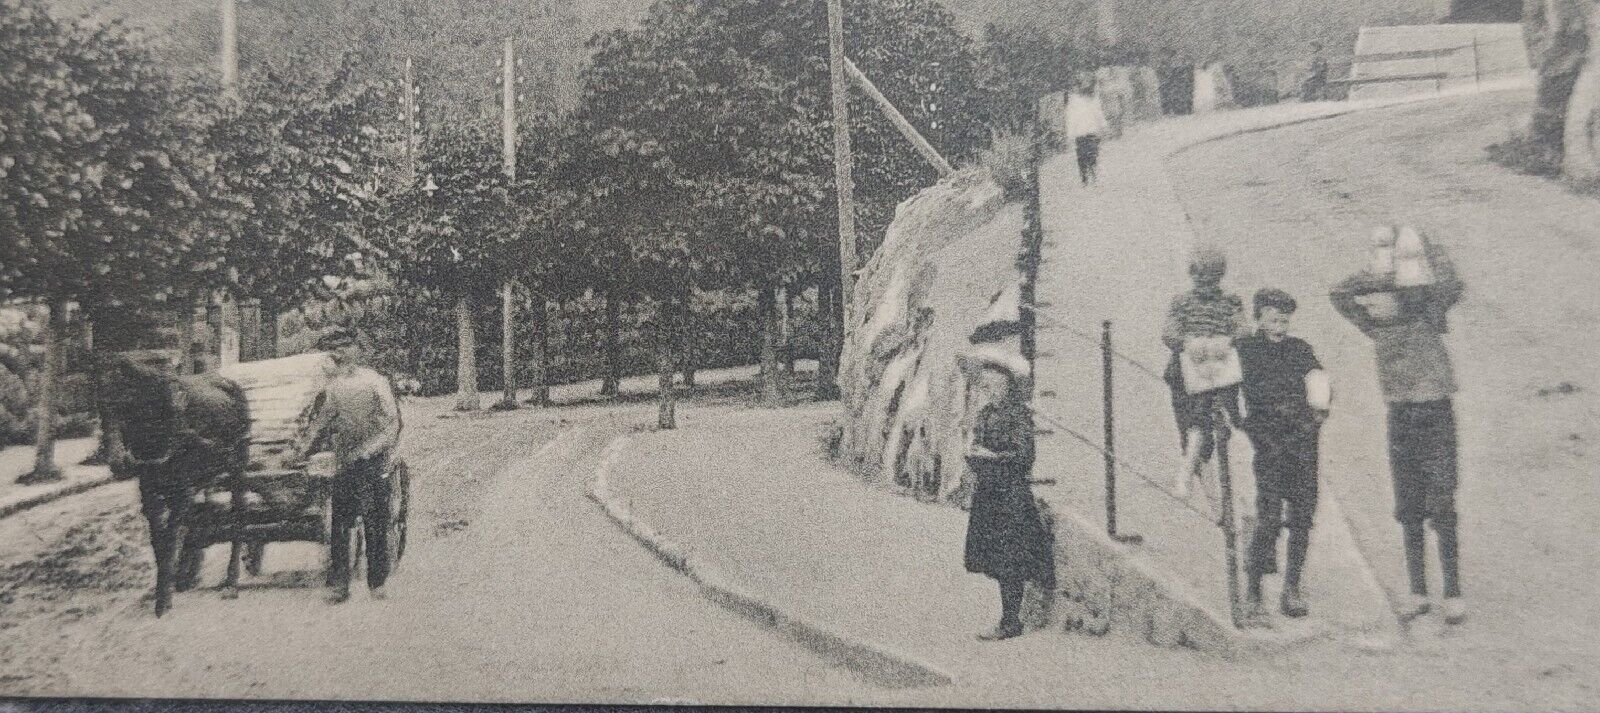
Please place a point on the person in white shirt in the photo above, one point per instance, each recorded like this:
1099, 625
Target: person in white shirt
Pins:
1086, 125
358, 418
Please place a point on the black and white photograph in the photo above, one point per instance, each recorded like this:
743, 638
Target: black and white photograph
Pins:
998, 354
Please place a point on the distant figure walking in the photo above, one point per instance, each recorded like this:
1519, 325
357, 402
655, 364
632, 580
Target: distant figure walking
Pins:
1201, 322
1006, 538
1400, 301
1315, 87
1086, 125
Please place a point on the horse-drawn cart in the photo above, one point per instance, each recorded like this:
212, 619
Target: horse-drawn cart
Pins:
284, 494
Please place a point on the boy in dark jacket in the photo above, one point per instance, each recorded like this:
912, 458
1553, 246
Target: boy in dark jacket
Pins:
1406, 325
1283, 426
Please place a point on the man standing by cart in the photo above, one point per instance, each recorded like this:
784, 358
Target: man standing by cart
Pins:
358, 417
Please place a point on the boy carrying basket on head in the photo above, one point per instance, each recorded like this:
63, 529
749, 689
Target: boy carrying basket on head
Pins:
1400, 302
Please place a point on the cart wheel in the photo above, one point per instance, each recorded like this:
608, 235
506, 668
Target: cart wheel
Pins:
255, 557
191, 559
399, 510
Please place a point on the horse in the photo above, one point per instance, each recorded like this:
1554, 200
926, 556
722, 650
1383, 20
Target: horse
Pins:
180, 434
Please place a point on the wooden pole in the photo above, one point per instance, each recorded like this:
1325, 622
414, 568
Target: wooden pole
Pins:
230, 46
1110, 429
1230, 536
1477, 69
842, 165
1107, 21
466, 357
408, 114
44, 442
230, 90
899, 120
508, 148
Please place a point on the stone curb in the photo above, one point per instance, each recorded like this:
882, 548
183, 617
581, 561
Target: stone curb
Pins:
45, 498
879, 664
1105, 585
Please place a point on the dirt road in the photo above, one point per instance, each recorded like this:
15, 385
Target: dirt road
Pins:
1293, 208
515, 588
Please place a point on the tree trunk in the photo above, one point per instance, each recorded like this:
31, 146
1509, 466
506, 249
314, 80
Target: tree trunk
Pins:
687, 354
249, 330
267, 347
44, 453
788, 330
829, 323
508, 347
214, 328
108, 441
771, 378
541, 352
666, 339
613, 368
186, 324
466, 356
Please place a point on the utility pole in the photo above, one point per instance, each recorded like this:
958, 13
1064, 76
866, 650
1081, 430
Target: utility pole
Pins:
230, 47
1107, 21
216, 316
844, 185
410, 114
508, 147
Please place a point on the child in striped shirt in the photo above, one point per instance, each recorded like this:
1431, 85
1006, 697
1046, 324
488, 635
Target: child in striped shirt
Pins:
1203, 312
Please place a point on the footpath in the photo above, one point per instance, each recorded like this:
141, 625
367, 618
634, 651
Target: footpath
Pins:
17, 460
745, 503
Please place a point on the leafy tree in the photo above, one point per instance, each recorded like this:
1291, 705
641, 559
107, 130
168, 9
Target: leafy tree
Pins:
455, 225
727, 103
108, 192
307, 154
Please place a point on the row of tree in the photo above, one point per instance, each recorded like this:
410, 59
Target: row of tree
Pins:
696, 159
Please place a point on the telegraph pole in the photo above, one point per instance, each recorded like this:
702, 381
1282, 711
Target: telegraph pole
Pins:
843, 183
230, 46
1107, 21
216, 316
410, 115
508, 147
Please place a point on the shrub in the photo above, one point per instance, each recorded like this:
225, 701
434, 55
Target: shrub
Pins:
1520, 153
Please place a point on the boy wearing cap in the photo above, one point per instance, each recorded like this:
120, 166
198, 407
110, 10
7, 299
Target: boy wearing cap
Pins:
1402, 308
358, 416
1204, 312
1283, 426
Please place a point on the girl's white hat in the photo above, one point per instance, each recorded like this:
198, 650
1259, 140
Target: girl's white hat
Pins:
993, 356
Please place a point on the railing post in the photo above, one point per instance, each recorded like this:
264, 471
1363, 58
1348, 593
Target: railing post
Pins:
1110, 450
1223, 430
1477, 69
1109, 419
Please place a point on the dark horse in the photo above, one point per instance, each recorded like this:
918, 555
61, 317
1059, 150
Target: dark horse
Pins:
180, 434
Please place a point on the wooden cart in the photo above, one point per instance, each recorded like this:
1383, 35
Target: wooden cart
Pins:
284, 495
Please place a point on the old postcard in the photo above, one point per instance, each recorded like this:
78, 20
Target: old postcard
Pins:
1065, 354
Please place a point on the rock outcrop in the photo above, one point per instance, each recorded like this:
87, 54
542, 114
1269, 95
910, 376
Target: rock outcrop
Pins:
947, 263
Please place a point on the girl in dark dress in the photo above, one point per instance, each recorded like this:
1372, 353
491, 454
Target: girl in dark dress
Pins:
1006, 539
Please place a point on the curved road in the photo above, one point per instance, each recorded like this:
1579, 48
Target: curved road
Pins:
515, 587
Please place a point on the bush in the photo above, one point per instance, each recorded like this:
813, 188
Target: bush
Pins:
1520, 153
414, 336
